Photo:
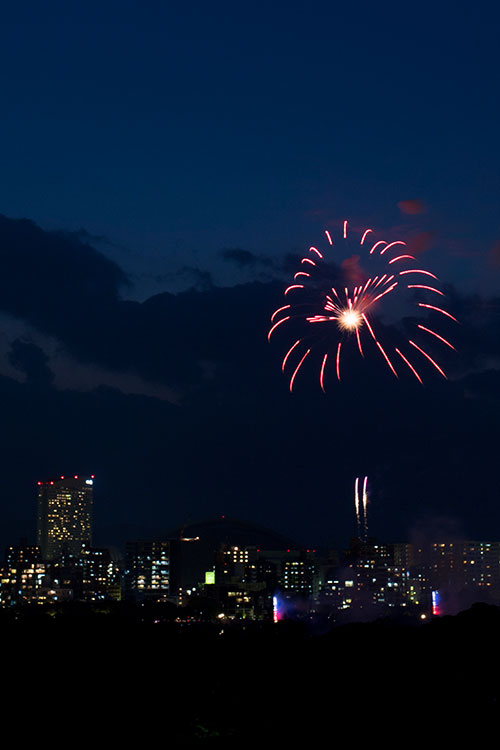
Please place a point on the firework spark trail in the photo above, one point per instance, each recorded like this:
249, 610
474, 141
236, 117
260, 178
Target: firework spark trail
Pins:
285, 360
418, 270
438, 309
429, 358
410, 366
391, 244
380, 242
285, 307
380, 281
338, 313
379, 296
315, 250
369, 327
283, 320
422, 286
359, 342
294, 286
423, 328
401, 257
322, 373
386, 358
297, 369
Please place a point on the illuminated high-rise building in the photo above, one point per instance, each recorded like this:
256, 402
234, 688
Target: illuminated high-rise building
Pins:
65, 516
21, 576
147, 570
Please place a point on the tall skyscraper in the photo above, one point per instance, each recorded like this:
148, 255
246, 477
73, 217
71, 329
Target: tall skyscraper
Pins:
65, 516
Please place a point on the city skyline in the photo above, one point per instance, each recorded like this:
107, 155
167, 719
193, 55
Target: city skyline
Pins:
236, 570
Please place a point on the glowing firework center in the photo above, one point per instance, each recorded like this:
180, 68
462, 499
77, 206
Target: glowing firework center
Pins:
349, 308
350, 319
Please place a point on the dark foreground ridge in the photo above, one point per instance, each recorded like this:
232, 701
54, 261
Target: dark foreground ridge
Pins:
143, 676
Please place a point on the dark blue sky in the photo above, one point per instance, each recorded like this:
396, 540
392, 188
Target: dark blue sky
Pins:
168, 135
176, 131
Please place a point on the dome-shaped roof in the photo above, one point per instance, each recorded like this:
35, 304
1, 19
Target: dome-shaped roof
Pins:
233, 531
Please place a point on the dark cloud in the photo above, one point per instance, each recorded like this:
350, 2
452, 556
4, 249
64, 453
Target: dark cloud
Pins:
32, 361
290, 263
62, 278
241, 258
66, 288
476, 336
84, 236
246, 259
69, 290
191, 276
196, 277
481, 385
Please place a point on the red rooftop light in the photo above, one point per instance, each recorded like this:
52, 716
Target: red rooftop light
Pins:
76, 476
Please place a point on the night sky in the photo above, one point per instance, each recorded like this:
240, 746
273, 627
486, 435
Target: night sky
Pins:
163, 167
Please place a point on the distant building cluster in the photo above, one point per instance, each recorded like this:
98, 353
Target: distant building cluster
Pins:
235, 570
63, 566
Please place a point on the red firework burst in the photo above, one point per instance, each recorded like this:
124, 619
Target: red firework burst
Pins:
337, 314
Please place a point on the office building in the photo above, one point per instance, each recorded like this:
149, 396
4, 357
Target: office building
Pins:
65, 516
22, 574
147, 570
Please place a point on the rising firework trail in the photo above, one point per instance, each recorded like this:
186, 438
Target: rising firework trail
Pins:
333, 313
365, 508
361, 508
356, 505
